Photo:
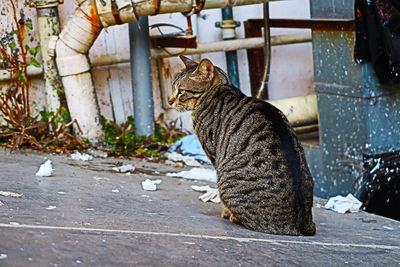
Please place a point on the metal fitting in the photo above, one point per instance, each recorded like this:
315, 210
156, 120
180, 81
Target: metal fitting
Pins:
228, 28
44, 3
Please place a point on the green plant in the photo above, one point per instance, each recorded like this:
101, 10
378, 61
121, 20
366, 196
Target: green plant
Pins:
123, 140
52, 131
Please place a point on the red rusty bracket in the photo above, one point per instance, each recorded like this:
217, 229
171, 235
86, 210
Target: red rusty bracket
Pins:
180, 41
314, 24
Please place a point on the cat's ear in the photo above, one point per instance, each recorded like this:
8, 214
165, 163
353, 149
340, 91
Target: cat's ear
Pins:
188, 62
205, 70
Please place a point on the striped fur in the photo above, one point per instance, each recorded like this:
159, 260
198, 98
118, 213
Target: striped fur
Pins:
263, 178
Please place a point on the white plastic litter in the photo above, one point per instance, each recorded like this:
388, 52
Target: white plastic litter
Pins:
81, 157
124, 168
151, 185
97, 153
196, 174
10, 194
211, 194
343, 204
51, 207
188, 160
115, 190
46, 169
3, 256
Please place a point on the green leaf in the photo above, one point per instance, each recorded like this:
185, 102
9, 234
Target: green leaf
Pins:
21, 77
35, 63
12, 45
36, 50
29, 25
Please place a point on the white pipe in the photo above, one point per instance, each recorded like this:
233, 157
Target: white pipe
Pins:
300, 110
31, 70
231, 45
73, 65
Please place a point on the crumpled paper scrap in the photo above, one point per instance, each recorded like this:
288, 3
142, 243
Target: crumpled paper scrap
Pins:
343, 204
124, 168
46, 169
151, 185
10, 194
188, 160
211, 194
197, 174
81, 157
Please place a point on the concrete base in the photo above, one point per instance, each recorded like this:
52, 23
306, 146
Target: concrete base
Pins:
94, 226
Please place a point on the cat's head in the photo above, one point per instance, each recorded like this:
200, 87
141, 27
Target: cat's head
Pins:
192, 82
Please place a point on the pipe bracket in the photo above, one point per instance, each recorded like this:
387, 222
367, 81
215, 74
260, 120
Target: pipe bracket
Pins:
112, 12
44, 3
197, 6
51, 45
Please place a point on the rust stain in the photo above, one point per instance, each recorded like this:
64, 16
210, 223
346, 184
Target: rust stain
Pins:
93, 18
165, 68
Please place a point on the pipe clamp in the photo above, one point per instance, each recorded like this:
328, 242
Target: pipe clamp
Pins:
113, 12
44, 3
79, 62
51, 45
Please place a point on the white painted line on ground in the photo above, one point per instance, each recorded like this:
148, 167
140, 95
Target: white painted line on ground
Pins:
239, 239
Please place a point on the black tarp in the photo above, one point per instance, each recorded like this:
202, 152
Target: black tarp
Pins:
378, 37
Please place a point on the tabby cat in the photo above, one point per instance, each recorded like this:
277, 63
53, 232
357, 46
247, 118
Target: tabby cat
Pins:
263, 179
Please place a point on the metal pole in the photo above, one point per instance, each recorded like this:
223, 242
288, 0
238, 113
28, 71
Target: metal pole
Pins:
141, 76
231, 56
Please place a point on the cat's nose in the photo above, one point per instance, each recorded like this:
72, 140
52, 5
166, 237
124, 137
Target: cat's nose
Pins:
170, 100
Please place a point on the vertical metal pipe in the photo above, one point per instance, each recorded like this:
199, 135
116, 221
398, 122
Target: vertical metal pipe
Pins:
231, 56
141, 76
49, 25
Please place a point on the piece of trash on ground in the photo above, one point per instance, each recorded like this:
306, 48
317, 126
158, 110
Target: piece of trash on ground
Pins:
97, 153
46, 169
190, 146
51, 207
151, 185
115, 190
3, 256
211, 194
196, 174
98, 178
188, 160
81, 157
343, 204
10, 194
124, 168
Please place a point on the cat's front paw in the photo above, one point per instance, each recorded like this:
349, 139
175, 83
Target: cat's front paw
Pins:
234, 219
226, 213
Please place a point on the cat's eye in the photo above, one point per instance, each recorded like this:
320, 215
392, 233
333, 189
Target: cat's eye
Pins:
180, 91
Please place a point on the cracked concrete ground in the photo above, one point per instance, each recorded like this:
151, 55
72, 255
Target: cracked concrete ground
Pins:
102, 218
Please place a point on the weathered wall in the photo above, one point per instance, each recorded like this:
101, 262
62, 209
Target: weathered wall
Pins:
291, 73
